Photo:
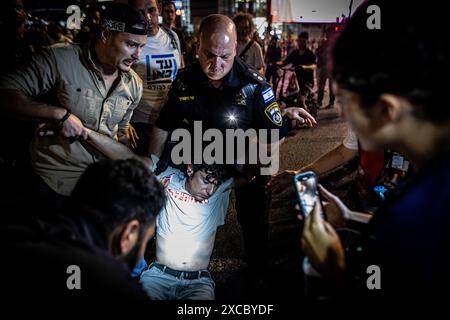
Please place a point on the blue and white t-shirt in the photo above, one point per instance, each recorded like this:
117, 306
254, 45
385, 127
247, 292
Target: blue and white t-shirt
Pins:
157, 66
183, 216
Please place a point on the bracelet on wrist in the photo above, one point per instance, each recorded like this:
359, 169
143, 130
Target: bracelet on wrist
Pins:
60, 123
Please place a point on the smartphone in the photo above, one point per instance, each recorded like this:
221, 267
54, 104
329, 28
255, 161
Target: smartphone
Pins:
306, 185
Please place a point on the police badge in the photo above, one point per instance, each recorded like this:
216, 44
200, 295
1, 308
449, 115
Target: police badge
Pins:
273, 112
240, 99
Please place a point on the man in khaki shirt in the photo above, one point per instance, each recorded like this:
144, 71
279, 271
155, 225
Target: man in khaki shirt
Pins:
84, 87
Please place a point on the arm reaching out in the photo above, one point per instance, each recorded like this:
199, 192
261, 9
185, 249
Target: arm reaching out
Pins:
113, 149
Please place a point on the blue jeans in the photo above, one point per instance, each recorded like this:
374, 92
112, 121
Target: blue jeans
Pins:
163, 286
139, 268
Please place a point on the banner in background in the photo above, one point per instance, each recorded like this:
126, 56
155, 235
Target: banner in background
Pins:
317, 11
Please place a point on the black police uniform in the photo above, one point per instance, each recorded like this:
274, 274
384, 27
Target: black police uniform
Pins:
243, 93
250, 99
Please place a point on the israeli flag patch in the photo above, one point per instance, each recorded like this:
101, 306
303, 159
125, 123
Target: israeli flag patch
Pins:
267, 95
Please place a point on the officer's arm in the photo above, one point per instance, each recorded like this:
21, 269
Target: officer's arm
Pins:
268, 116
158, 140
112, 148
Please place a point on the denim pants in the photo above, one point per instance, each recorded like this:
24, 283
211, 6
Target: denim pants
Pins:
163, 286
139, 268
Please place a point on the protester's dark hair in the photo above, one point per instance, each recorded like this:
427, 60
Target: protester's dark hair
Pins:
111, 193
217, 173
243, 16
409, 56
166, 3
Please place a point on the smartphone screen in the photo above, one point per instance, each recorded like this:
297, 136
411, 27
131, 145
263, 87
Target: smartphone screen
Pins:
308, 195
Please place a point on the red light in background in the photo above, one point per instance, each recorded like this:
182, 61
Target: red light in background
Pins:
178, 12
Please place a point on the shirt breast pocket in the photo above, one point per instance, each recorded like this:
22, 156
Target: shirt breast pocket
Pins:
118, 108
82, 102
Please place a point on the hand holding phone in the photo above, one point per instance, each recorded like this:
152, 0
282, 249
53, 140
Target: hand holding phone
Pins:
306, 185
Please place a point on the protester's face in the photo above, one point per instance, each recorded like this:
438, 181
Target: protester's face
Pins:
364, 122
243, 29
151, 9
216, 54
20, 14
302, 43
137, 252
199, 186
168, 14
153, 14
124, 49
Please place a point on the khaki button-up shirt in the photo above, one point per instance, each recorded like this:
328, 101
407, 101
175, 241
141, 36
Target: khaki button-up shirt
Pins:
68, 74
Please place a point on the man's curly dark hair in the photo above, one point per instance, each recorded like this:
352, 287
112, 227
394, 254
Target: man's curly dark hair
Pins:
244, 16
215, 173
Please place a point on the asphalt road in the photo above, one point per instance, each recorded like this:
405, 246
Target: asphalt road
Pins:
284, 272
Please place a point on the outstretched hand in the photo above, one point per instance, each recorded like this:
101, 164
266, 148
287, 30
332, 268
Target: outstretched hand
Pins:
301, 116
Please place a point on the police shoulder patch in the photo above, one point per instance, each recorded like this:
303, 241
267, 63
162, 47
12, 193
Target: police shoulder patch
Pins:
273, 112
268, 95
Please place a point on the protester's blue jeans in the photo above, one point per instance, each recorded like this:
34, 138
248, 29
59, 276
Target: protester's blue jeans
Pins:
163, 286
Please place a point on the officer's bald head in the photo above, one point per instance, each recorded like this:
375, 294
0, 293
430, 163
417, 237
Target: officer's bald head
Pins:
217, 23
217, 48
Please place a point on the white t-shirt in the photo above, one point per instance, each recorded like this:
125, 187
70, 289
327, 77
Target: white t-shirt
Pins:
157, 66
183, 217
350, 140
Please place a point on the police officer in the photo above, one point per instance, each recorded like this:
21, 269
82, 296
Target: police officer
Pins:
223, 92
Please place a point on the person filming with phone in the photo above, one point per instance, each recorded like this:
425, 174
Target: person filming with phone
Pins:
389, 104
